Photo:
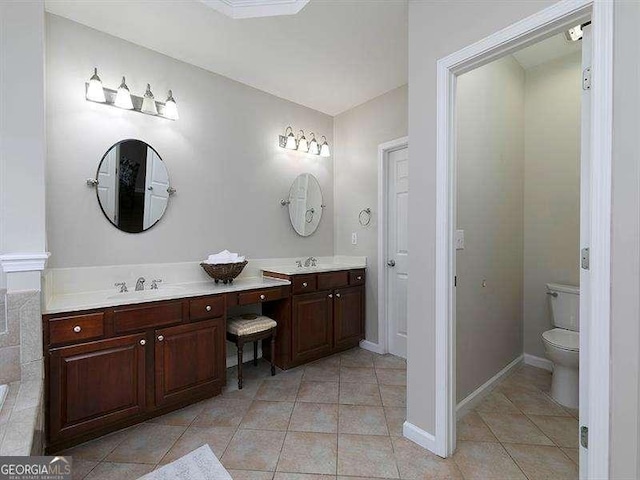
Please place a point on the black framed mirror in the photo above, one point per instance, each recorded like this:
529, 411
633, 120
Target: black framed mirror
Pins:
132, 186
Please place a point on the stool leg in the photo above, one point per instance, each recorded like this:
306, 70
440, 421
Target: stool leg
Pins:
240, 349
273, 354
255, 353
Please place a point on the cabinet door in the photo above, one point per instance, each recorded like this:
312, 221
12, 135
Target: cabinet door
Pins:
348, 317
189, 361
95, 384
311, 326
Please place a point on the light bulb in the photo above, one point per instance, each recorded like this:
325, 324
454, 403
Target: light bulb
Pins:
314, 148
95, 92
324, 148
291, 143
148, 102
170, 108
123, 97
303, 146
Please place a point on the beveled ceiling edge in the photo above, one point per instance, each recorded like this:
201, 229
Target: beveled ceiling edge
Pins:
238, 9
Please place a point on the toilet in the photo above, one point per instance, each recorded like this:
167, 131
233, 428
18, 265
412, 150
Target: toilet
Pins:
562, 343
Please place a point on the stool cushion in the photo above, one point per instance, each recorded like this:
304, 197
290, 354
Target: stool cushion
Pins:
250, 324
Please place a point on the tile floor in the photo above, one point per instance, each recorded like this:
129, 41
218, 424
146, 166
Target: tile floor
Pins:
341, 418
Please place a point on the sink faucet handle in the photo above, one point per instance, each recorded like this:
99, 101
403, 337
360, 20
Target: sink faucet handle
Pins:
299, 263
154, 283
122, 285
314, 261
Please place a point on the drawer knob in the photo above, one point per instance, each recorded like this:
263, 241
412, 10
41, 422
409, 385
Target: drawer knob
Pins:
304, 284
160, 338
143, 342
208, 308
359, 278
77, 329
262, 297
331, 295
338, 295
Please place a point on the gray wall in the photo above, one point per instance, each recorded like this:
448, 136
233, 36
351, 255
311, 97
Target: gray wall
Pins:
490, 209
552, 189
358, 132
222, 156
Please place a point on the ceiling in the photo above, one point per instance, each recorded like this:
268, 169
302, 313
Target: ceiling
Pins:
330, 56
546, 50
256, 8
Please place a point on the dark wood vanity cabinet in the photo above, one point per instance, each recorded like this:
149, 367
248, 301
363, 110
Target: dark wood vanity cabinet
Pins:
348, 317
311, 331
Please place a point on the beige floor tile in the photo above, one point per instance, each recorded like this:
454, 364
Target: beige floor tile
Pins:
305, 452
514, 428
388, 376
268, 415
497, 402
321, 373
184, 416
393, 395
543, 463
223, 412
362, 420
253, 450
360, 394
249, 389
471, 427
484, 461
314, 417
389, 361
147, 443
366, 456
572, 453
80, 468
358, 375
118, 471
396, 417
318, 392
278, 390
302, 476
562, 430
216, 437
536, 403
250, 475
97, 449
356, 358
416, 463
332, 361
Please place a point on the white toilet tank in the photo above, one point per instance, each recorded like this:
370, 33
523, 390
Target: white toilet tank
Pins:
565, 306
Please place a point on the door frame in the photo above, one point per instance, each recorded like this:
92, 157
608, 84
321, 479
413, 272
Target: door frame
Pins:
384, 149
545, 23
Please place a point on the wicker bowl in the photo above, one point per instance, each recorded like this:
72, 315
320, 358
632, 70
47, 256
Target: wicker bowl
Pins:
224, 272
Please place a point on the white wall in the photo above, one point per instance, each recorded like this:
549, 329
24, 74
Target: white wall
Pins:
490, 209
552, 189
222, 156
358, 132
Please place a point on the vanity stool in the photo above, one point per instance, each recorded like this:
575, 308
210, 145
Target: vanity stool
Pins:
252, 328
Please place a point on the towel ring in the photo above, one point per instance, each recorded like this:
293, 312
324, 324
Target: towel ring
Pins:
364, 218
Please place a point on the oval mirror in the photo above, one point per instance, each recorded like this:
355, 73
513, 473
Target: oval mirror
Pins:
305, 204
133, 186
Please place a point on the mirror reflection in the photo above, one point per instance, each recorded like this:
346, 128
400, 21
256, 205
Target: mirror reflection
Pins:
133, 186
305, 204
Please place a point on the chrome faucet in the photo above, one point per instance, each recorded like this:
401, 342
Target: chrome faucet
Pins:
299, 263
310, 262
122, 285
140, 284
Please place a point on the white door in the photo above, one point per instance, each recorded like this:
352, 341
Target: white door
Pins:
585, 235
397, 250
108, 184
156, 194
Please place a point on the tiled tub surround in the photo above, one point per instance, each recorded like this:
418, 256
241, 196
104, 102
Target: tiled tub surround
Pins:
341, 417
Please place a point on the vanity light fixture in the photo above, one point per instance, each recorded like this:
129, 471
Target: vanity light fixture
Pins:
148, 102
288, 140
314, 148
95, 92
123, 97
324, 148
303, 145
170, 107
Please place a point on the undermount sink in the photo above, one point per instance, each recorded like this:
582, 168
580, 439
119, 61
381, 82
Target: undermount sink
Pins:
160, 292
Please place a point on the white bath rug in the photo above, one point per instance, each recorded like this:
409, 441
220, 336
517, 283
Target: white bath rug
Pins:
201, 464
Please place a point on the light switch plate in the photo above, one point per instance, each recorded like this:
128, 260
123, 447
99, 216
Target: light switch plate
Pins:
459, 239
354, 238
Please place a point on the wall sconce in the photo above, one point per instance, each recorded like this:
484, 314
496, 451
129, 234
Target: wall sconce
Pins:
122, 98
289, 141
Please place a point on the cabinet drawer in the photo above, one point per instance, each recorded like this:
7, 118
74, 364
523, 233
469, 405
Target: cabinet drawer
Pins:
356, 277
265, 295
304, 284
76, 328
138, 317
207, 307
328, 281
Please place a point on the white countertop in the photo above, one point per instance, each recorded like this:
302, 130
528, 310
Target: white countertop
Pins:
323, 267
73, 302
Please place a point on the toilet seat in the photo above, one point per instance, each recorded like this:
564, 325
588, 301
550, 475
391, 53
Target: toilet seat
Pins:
564, 339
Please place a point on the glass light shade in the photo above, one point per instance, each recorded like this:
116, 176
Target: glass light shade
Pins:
291, 142
170, 108
95, 91
149, 103
123, 97
303, 146
314, 148
324, 149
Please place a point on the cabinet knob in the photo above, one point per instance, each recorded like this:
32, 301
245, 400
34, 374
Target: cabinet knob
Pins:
359, 278
262, 297
143, 342
331, 295
338, 295
208, 308
304, 284
160, 338
77, 329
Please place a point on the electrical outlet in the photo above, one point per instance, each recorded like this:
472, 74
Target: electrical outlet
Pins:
459, 239
354, 238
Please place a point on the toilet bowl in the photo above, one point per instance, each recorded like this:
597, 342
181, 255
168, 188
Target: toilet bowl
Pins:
562, 344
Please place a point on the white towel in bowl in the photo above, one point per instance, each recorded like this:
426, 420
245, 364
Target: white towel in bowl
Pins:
224, 256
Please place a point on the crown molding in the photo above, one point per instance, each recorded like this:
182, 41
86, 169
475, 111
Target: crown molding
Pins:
24, 262
238, 9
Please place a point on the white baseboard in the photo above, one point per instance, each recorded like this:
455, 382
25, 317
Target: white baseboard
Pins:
419, 436
538, 362
372, 347
247, 354
473, 399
